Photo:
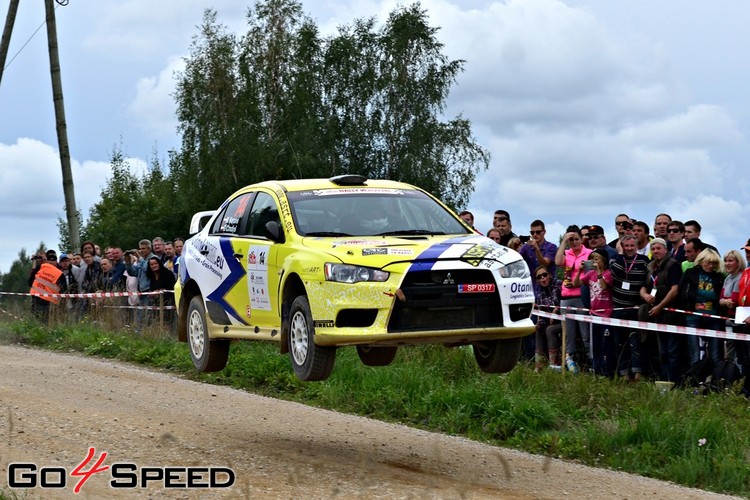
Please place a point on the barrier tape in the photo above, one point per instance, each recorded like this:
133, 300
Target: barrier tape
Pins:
693, 313
643, 325
92, 295
154, 308
11, 315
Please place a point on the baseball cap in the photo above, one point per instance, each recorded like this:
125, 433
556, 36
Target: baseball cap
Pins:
594, 229
747, 245
51, 255
659, 241
64, 256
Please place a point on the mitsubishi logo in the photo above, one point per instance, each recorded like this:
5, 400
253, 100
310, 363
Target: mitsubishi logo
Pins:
448, 280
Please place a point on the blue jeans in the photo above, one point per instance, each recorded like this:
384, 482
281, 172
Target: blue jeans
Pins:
714, 346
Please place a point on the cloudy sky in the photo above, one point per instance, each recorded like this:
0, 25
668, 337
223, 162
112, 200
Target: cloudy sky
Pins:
589, 108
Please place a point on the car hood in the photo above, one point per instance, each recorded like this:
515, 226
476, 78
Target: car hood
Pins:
380, 251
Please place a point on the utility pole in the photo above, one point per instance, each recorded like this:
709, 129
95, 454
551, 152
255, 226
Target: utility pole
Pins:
5, 40
62, 128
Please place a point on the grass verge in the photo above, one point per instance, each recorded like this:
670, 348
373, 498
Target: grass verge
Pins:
693, 440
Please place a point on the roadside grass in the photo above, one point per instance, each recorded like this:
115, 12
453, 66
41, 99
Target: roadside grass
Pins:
693, 440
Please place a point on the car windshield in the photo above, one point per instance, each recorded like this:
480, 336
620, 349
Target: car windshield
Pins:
370, 212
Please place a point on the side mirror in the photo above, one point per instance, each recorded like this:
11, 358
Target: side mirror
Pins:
274, 232
199, 220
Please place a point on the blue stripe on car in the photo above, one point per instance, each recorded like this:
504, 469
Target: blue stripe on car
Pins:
236, 272
429, 256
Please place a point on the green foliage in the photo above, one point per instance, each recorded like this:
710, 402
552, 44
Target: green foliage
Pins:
692, 440
282, 102
132, 203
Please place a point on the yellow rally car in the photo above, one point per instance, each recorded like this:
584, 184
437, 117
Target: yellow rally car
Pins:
322, 263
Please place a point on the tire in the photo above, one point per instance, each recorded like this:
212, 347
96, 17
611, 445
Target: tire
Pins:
207, 355
376, 356
497, 356
309, 361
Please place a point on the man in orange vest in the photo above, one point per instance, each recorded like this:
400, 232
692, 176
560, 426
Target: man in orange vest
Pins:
44, 280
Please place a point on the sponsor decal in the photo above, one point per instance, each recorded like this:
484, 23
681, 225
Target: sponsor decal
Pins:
374, 251
476, 288
330, 192
257, 278
323, 323
400, 251
124, 475
475, 254
520, 291
368, 243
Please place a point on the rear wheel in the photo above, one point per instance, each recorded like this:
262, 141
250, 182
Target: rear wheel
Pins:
497, 356
309, 361
208, 355
376, 356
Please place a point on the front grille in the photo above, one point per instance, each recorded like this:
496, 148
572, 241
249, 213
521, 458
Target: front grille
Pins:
433, 302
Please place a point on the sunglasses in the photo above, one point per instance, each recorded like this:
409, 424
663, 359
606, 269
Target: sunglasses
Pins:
673, 230
541, 276
623, 223
536, 231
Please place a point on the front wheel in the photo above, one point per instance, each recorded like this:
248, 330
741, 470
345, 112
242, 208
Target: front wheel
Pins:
309, 361
207, 355
376, 356
497, 356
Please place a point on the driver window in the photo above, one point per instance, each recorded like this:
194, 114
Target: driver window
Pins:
264, 210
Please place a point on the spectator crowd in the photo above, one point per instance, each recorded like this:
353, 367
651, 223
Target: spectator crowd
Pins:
670, 278
151, 267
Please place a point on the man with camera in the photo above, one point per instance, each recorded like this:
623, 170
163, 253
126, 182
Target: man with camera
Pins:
623, 226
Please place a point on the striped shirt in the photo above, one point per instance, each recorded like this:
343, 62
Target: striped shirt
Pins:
629, 275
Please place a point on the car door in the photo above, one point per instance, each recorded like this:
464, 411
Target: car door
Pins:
221, 264
259, 257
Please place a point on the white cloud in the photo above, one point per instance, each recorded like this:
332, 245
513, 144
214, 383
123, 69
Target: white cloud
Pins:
588, 108
31, 195
153, 108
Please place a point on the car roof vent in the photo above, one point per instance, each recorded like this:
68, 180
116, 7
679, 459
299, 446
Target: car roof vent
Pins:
349, 180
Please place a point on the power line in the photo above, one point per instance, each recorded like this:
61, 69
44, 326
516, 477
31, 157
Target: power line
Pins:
60, 2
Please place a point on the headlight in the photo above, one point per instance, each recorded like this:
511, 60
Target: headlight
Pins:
517, 269
345, 273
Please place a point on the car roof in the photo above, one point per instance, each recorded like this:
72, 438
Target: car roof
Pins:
307, 184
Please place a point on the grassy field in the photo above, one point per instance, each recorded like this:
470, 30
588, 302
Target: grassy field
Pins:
700, 441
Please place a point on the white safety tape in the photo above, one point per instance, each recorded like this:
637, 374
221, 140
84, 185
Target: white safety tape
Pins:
643, 325
93, 295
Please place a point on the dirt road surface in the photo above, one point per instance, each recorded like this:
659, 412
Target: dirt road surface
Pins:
57, 406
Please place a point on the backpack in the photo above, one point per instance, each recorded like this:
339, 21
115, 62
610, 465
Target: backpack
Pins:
725, 374
700, 374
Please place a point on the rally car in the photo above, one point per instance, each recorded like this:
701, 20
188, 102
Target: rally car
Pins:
319, 264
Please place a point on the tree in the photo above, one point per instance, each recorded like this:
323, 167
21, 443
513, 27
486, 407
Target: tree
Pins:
134, 206
387, 90
282, 102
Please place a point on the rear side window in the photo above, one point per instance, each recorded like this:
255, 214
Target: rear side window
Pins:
233, 218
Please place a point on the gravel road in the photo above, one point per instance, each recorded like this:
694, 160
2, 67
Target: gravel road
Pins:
57, 406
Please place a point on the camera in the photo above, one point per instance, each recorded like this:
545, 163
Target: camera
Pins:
588, 265
524, 238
